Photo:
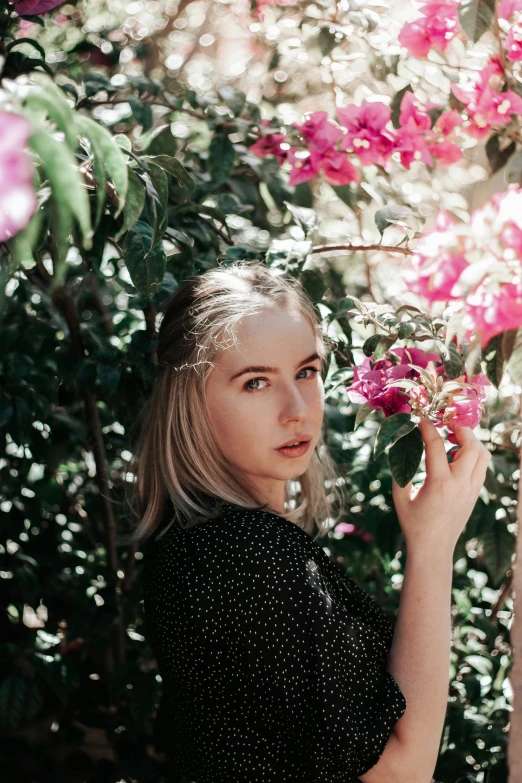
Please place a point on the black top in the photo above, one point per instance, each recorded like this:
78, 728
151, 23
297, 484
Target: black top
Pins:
273, 660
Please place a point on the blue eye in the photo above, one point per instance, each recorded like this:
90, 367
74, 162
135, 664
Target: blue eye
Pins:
248, 389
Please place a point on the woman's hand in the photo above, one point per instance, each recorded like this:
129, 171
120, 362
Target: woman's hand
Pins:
436, 515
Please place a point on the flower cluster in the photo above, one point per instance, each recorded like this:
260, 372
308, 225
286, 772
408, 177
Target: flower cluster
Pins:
435, 29
366, 133
348, 529
17, 195
35, 7
476, 267
408, 380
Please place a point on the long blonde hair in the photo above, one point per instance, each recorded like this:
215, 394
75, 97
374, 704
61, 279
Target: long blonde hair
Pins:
176, 456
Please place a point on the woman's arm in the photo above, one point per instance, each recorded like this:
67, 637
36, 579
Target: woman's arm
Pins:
419, 657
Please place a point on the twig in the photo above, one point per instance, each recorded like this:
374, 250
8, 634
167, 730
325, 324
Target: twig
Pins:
356, 248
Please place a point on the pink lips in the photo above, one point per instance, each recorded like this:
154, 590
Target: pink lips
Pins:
296, 439
294, 451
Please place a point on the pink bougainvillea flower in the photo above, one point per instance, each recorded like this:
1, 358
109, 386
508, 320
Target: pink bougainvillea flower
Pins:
366, 135
485, 106
35, 7
435, 29
419, 396
492, 312
463, 413
347, 529
371, 379
270, 145
320, 133
448, 121
435, 277
513, 42
411, 145
17, 196
445, 153
303, 167
415, 356
413, 115
506, 8
335, 167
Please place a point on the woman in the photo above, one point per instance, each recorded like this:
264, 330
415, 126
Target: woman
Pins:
275, 665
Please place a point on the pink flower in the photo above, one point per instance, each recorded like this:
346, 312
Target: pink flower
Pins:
304, 168
506, 8
366, 135
412, 146
413, 114
371, 379
513, 42
463, 413
434, 278
270, 145
435, 29
17, 196
35, 7
445, 153
492, 312
485, 106
448, 121
415, 356
335, 167
319, 131
419, 396
347, 529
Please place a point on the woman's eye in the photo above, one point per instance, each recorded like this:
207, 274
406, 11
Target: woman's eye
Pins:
254, 380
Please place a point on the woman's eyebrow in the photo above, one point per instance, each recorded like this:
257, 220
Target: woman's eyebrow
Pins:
274, 370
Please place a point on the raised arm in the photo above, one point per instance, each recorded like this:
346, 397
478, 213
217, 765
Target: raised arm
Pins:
419, 658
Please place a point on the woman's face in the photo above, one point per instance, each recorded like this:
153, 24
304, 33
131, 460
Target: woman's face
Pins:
255, 412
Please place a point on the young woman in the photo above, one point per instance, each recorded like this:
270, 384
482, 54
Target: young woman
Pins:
275, 665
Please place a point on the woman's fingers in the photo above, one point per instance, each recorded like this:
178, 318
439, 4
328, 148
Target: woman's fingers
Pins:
436, 460
468, 454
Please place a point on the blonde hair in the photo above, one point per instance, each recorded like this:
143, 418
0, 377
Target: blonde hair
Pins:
176, 455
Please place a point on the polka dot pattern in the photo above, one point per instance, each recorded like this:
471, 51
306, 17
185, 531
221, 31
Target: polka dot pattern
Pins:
273, 660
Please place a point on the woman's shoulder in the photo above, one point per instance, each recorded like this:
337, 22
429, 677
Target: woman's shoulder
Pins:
236, 530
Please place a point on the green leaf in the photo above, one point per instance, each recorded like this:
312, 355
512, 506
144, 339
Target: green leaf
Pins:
313, 283
146, 262
514, 365
363, 413
326, 41
107, 151
371, 343
392, 428
162, 142
307, 219
452, 360
221, 157
384, 344
45, 96
475, 17
69, 195
513, 173
391, 214
498, 544
30, 41
142, 112
25, 241
134, 203
405, 456
234, 99
159, 198
173, 167
498, 155
395, 105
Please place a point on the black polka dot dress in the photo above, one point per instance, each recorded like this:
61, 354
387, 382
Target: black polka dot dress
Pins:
272, 659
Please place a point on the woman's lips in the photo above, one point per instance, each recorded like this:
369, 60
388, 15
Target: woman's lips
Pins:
294, 451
